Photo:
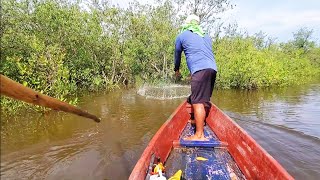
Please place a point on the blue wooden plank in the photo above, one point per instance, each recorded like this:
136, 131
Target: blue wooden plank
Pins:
210, 144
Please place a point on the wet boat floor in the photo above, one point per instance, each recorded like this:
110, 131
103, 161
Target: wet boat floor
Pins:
202, 162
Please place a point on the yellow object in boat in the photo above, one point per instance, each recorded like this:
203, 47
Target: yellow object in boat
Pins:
176, 176
158, 167
201, 159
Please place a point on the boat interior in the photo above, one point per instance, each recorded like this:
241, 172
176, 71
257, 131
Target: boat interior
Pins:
200, 159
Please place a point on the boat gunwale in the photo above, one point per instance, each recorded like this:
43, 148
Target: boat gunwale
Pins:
213, 122
141, 168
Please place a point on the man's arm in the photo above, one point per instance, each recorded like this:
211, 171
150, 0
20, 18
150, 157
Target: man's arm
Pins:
177, 54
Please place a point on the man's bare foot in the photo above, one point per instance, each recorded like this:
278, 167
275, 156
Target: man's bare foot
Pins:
195, 138
192, 121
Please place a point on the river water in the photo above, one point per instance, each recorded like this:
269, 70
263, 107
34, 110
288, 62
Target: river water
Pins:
285, 122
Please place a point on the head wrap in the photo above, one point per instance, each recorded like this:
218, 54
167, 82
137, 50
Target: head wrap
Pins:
192, 24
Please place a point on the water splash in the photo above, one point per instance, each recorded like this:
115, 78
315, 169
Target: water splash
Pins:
172, 91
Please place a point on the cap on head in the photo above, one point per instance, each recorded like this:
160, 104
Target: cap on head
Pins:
192, 17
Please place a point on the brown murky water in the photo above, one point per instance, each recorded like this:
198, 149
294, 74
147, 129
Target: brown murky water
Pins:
286, 122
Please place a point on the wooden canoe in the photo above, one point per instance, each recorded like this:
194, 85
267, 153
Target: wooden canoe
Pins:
230, 150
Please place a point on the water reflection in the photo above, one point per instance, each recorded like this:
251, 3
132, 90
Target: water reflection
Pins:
296, 108
63, 146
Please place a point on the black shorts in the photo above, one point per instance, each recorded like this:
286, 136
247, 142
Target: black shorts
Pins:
202, 84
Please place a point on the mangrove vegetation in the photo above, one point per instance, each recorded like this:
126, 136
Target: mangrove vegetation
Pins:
60, 47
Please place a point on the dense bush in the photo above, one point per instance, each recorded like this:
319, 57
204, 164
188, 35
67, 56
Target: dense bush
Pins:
242, 65
61, 47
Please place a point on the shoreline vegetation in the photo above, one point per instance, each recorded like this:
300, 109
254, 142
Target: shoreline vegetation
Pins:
62, 47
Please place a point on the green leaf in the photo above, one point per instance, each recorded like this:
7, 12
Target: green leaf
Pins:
25, 83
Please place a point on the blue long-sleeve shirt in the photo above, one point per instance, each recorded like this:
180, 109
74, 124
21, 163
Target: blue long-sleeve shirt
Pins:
198, 52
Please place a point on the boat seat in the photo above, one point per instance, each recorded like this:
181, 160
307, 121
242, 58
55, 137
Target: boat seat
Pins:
212, 143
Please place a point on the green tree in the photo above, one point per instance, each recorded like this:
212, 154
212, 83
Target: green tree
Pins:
302, 39
207, 10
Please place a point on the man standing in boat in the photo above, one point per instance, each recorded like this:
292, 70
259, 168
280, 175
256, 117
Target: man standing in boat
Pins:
197, 47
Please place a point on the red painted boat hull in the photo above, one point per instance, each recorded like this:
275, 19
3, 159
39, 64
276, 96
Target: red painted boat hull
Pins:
252, 159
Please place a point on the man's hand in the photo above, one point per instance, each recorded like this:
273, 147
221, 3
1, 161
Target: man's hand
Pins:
178, 74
